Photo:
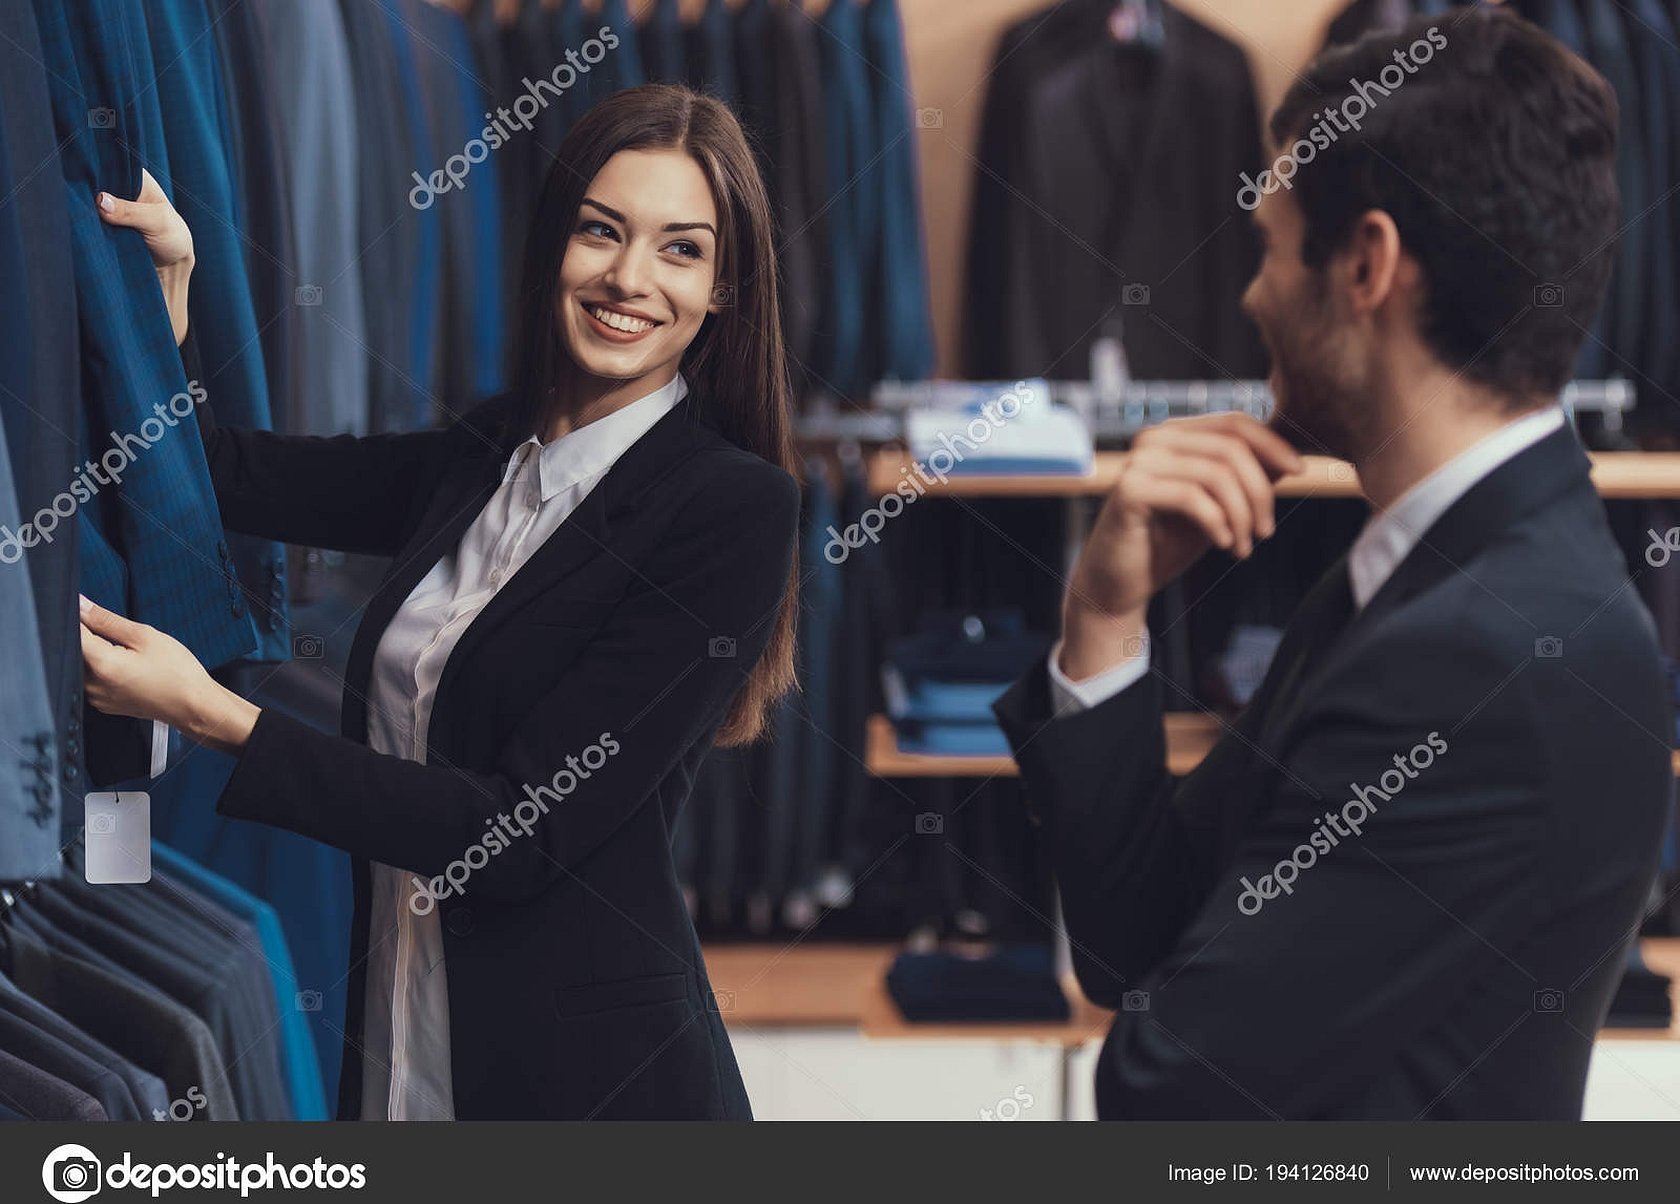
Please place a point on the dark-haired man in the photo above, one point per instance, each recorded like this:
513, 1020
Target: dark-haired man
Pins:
1402, 883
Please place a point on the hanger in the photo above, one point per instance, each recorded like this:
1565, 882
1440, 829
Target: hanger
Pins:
1136, 23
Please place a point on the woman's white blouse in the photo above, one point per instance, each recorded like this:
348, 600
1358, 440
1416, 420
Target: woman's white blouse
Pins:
405, 1060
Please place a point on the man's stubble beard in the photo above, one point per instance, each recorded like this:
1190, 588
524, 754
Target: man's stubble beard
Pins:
1321, 399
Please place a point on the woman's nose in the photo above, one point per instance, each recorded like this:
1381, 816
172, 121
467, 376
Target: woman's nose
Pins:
629, 272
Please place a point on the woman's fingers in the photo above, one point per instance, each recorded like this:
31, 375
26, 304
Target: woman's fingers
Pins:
164, 230
151, 191
143, 216
112, 628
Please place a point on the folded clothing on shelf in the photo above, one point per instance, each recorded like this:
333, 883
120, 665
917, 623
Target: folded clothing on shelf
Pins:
1641, 999
998, 429
1011, 983
940, 683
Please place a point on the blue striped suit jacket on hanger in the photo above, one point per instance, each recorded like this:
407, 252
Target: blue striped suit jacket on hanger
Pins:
195, 130
153, 547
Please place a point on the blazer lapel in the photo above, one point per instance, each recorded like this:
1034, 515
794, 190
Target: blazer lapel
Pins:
462, 494
1322, 616
1516, 488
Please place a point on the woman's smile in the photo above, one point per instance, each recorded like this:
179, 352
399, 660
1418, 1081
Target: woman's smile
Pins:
617, 324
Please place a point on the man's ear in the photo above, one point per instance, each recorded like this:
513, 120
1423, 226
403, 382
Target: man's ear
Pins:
1375, 260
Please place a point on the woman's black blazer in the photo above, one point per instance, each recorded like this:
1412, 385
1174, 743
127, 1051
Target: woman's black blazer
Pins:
576, 986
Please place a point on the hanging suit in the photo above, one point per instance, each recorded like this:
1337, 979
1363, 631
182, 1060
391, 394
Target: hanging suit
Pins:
40, 392
309, 66
853, 218
899, 307
1608, 50
711, 54
189, 92
252, 138
29, 802
420, 366
1655, 44
664, 53
388, 228
153, 548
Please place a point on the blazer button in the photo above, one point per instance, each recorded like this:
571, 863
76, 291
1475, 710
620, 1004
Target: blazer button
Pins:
70, 774
460, 921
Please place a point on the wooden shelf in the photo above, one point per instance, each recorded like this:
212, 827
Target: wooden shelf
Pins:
1662, 954
1617, 475
798, 986
1189, 737
844, 986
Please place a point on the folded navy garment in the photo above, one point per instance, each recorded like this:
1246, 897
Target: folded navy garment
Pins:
1641, 1001
1013, 983
933, 700
940, 683
968, 646
950, 739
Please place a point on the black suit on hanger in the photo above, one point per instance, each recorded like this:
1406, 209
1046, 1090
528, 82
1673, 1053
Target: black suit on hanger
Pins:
1454, 958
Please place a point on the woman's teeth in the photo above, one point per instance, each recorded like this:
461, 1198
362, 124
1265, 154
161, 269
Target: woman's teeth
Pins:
620, 321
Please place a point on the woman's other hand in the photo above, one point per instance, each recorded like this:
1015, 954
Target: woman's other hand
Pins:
132, 669
167, 238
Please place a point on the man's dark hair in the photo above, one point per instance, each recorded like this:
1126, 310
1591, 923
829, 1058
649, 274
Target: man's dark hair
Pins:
1496, 159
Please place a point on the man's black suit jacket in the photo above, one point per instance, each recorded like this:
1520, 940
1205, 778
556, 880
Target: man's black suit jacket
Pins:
1454, 957
576, 985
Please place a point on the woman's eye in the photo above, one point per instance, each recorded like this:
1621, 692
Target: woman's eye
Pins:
596, 229
686, 249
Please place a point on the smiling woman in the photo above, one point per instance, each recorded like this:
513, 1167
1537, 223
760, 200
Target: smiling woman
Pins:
592, 582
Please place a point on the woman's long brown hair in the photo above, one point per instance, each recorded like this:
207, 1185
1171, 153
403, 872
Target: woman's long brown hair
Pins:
736, 366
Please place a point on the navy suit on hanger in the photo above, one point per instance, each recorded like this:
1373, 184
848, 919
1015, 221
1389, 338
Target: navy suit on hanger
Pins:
1609, 51
189, 92
853, 218
899, 305
153, 547
40, 391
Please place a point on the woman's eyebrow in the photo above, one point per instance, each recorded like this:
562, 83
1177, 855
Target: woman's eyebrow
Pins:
670, 226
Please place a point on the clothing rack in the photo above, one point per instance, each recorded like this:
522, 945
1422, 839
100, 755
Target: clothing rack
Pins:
1118, 410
